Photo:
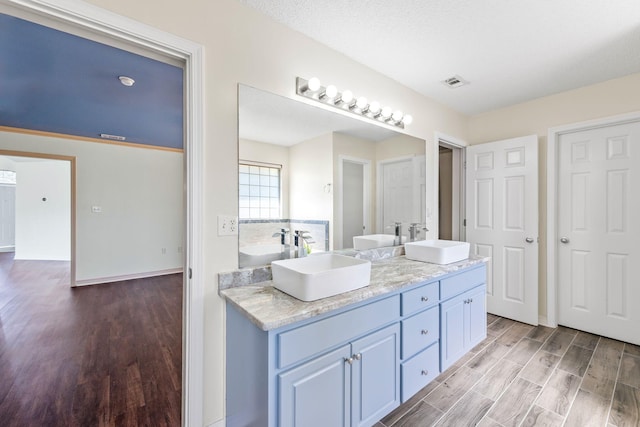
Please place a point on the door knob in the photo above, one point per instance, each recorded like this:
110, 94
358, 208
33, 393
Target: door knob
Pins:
564, 240
529, 240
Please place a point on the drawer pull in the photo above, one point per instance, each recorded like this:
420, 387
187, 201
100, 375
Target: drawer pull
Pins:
348, 360
424, 299
424, 331
424, 372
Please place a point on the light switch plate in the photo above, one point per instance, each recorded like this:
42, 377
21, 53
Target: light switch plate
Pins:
227, 225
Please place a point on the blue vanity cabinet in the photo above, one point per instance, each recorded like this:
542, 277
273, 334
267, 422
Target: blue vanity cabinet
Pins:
463, 316
355, 385
420, 338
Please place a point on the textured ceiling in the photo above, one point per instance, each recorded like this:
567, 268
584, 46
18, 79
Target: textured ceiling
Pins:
57, 82
510, 51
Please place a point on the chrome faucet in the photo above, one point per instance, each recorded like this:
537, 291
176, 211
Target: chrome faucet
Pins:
301, 239
398, 233
285, 251
414, 230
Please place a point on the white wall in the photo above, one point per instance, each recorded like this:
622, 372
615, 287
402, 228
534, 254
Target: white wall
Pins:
243, 46
43, 227
140, 192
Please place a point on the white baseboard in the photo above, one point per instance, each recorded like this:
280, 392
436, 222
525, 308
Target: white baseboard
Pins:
220, 423
111, 279
7, 249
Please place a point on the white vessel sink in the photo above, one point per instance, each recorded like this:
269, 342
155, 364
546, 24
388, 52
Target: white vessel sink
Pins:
437, 251
320, 276
372, 241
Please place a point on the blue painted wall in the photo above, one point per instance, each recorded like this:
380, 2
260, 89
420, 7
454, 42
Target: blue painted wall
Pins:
57, 82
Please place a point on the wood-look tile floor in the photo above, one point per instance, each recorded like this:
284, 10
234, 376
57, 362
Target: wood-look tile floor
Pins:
97, 355
531, 376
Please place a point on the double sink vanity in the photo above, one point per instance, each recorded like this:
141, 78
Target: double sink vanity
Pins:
343, 338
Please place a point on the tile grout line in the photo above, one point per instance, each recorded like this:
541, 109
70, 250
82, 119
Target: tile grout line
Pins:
615, 385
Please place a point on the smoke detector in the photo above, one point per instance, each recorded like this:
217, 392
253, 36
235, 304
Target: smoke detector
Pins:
454, 82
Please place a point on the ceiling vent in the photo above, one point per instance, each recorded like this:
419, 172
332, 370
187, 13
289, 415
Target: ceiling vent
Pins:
455, 81
112, 137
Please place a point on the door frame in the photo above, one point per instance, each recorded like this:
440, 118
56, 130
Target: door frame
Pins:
366, 200
553, 137
88, 17
458, 185
72, 207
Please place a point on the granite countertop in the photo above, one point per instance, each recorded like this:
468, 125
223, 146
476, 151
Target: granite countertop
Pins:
269, 308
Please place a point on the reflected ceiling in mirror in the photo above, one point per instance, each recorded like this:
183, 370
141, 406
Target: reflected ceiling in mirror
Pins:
313, 154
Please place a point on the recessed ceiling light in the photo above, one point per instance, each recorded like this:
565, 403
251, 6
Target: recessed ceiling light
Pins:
455, 81
127, 81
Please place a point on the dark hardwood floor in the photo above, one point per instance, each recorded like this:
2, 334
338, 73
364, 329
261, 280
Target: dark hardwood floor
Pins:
99, 355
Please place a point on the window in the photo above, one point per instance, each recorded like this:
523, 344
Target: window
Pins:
7, 177
259, 187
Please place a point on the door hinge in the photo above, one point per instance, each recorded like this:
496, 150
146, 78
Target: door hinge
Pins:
464, 165
190, 273
464, 222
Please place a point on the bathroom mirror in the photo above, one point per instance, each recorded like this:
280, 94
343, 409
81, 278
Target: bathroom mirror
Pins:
307, 168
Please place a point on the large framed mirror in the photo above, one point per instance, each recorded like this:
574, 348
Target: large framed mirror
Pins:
310, 169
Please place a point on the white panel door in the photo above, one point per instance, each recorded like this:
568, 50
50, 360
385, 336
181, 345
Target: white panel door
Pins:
598, 231
502, 223
402, 193
7, 216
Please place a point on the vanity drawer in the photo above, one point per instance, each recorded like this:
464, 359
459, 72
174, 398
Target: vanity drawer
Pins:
317, 337
419, 298
462, 282
420, 371
420, 331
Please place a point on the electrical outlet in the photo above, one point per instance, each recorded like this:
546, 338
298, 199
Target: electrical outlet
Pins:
227, 225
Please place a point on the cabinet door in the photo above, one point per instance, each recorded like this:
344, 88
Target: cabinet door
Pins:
375, 376
477, 324
453, 342
317, 393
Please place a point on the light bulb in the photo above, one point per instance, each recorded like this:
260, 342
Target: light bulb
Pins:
407, 120
386, 112
361, 103
397, 116
347, 96
313, 84
374, 107
331, 91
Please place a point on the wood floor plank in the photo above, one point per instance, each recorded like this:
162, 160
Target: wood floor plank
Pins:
625, 410
601, 375
514, 334
421, 415
558, 394
88, 356
488, 422
499, 327
540, 333
540, 367
588, 410
632, 349
467, 412
586, 340
523, 351
497, 379
540, 417
403, 409
576, 360
450, 391
558, 342
630, 370
489, 356
514, 404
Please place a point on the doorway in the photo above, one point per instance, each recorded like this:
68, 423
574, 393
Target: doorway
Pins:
112, 26
355, 199
451, 188
596, 250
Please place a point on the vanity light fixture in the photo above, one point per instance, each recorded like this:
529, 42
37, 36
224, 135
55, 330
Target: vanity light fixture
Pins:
346, 101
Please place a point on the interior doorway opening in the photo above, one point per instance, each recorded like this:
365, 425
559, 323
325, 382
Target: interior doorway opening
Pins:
451, 191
